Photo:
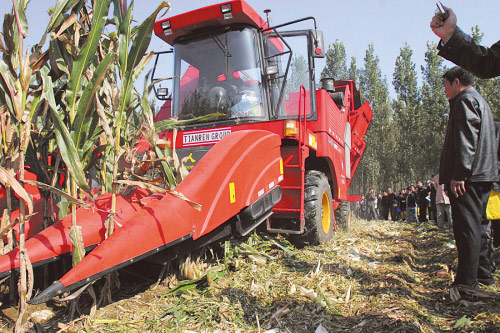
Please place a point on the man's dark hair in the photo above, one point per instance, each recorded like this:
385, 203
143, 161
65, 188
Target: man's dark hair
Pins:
466, 78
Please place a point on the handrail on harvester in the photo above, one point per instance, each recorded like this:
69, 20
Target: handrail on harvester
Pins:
302, 164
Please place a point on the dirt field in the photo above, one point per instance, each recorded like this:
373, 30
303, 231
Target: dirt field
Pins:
380, 277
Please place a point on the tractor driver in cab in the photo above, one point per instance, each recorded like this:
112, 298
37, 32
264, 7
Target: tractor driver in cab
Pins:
243, 95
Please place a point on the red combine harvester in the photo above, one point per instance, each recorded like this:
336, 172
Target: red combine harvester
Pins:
276, 150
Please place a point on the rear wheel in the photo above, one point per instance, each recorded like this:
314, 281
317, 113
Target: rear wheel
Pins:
318, 210
343, 215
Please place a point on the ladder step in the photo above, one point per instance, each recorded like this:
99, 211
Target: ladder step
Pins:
286, 210
292, 166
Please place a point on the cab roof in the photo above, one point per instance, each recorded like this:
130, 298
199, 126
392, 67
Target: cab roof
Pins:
208, 17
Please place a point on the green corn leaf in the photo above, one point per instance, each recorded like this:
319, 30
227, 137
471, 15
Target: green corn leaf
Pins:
89, 145
147, 114
184, 286
68, 152
65, 143
22, 22
48, 88
5, 90
35, 101
57, 60
166, 168
142, 39
173, 123
86, 55
288, 249
461, 322
124, 25
215, 273
11, 39
142, 64
137, 51
8, 85
86, 112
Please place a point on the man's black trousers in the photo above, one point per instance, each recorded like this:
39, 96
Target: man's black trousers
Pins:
469, 213
422, 211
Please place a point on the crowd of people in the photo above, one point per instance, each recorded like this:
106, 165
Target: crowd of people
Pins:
415, 203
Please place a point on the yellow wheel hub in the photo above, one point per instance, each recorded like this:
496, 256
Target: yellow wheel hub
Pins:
326, 212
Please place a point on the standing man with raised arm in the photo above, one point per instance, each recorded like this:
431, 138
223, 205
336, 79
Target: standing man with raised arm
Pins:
468, 169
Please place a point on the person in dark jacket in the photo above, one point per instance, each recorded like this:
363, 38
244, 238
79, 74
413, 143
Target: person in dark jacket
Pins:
391, 198
411, 204
422, 201
402, 204
371, 213
385, 202
460, 48
432, 203
469, 166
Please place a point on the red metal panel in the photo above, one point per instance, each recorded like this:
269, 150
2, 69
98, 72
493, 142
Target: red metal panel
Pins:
334, 153
210, 16
249, 159
360, 119
291, 180
334, 119
292, 104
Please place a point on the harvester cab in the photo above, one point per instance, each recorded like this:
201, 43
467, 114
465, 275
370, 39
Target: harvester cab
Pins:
233, 67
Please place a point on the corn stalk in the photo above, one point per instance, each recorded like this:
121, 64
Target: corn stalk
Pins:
131, 62
15, 75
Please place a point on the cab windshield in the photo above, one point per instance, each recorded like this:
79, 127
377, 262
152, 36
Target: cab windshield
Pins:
220, 74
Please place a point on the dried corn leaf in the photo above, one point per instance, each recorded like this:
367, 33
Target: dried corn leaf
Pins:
146, 186
6, 225
66, 24
57, 191
8, 180
179, 195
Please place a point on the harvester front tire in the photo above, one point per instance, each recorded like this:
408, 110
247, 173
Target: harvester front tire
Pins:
343, 216
318, 212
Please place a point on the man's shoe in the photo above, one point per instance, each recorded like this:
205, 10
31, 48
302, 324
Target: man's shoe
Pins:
460, 292
487, 281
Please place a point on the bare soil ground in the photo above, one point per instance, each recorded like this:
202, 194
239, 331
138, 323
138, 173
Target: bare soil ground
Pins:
381, 277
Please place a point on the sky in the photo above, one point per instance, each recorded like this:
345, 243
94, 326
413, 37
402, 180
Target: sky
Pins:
388, 24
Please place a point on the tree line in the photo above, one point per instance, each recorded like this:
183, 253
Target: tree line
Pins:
407, 131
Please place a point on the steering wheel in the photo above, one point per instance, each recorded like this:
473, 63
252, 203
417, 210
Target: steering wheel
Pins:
226, 92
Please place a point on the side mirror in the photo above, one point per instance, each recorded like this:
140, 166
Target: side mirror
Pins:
318, 44
161, 93
160, 74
